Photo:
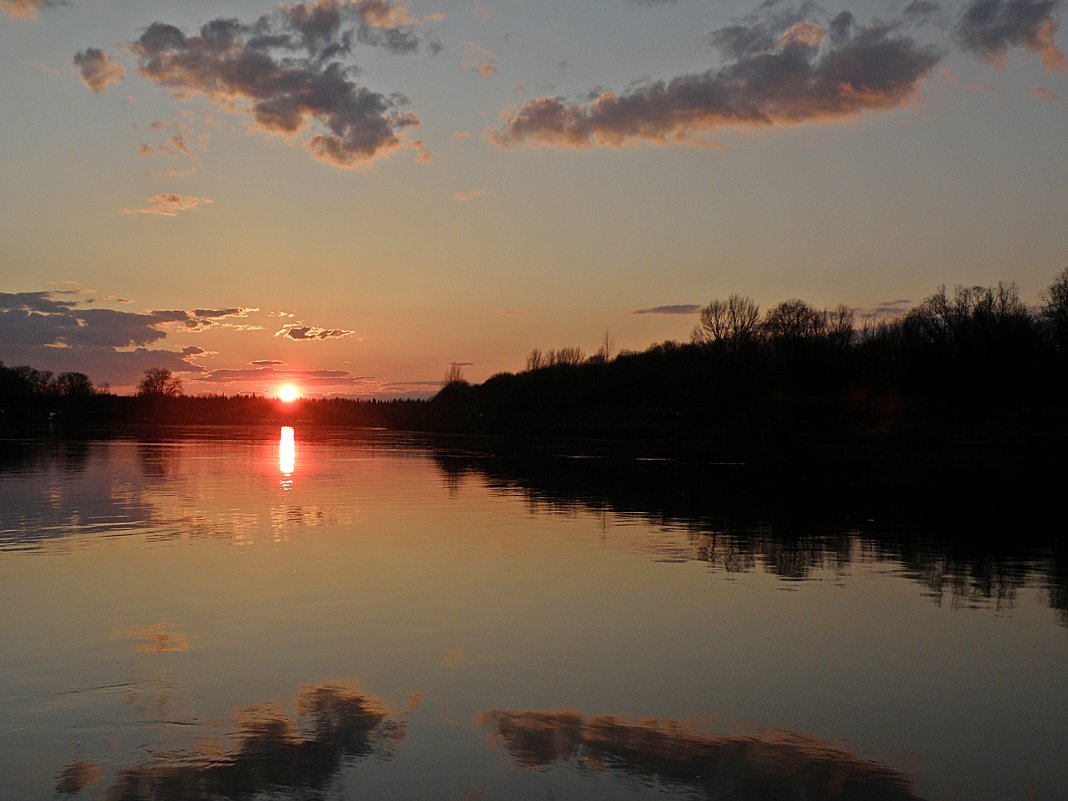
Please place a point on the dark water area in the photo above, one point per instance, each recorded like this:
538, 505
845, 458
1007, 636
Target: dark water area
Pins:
287, 612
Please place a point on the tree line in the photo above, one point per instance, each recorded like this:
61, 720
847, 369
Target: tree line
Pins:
976, 349
979, 349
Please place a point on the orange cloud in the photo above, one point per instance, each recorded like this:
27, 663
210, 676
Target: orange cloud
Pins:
97, 70
467, 197
27, 9
477, 59
167, 204
1045, 95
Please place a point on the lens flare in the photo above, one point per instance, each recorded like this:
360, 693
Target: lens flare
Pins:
288, 393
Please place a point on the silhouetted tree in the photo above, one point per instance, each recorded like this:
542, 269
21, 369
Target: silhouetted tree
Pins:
73, 384
160, 381
735, 320
838, 328
605, 351
39, 382
535, 360
454, 375
564, 356
792, 320
1055, 311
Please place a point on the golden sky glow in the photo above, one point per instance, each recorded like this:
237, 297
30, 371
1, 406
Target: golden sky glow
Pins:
461, 183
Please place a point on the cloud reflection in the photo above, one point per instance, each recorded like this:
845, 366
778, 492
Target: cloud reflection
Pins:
783, 766
274, 754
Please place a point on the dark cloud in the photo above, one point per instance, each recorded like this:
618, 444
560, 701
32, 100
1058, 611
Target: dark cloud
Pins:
97, 70
989, 28
921, 9
285, 67
269, 374
27, 9
310, 333
759, 34
258, 374
745, 768
796, 79
886, 308
203, 319
842, 27
678, 308
62, 331
264, 375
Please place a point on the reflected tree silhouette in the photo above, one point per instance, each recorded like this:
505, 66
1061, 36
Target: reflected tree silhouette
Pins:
274, 754
738, 519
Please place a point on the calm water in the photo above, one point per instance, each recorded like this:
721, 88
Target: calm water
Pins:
280, 614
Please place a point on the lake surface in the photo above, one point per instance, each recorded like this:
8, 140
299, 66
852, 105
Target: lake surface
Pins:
265, 613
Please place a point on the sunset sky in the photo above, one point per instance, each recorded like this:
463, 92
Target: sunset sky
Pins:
355, 195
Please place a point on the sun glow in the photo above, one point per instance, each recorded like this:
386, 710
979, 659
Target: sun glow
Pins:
288, 393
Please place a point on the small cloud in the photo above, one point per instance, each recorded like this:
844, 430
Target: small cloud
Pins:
27, 9
192, 350
478, 60
202, 319
467, 197
678, 308
266, 363
511, 313
425, 156
885, 309
456, 658
310, 333
97, 70
168, 205
460, 136
1045, 95
480, 11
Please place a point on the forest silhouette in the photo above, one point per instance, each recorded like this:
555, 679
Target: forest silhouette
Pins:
975, 366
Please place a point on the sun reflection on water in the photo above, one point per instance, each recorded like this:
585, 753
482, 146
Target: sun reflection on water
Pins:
287, 457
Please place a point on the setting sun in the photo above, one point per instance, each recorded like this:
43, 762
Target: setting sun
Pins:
288, 393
